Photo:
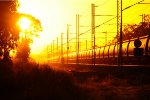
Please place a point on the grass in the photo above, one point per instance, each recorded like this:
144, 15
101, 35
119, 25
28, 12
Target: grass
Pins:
25, 81
31, 81
118, 86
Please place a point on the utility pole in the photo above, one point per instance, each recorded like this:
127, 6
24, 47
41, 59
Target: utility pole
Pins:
57, 48
143, 18
105, 38
53, 49
119, 31
119, 26
86, 44
51, 52
48, 55
77, 39
67, 41
62, 58
93, 32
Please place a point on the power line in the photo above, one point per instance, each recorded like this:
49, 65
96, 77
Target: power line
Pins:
132, 5
106, 22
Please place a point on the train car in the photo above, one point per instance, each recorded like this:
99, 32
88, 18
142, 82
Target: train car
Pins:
108, 54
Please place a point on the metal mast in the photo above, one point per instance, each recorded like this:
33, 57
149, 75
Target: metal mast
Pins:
77, 38
93, 32
62, 59
67, 41
119, 31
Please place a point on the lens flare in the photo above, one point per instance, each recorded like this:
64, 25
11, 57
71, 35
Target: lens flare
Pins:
24, 23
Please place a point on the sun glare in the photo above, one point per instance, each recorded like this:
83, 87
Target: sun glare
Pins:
24, 23
54, 16
51, 17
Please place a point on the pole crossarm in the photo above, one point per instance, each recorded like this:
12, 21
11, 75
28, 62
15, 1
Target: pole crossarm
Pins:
144, 3
104, 15
85, 26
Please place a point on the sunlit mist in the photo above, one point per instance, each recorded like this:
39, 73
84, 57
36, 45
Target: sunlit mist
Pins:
54, 16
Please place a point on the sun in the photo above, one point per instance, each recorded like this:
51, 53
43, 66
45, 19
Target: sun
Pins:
24, 23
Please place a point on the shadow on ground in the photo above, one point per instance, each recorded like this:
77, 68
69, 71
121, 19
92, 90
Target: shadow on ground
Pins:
31, 81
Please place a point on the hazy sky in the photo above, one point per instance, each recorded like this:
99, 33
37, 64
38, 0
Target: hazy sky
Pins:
56, 14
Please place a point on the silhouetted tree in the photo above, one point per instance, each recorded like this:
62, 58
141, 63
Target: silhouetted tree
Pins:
9, 28
23, 49
143, 29
134, 31
9, 32
128, 32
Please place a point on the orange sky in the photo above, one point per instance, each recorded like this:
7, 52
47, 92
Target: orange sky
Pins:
56, 14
